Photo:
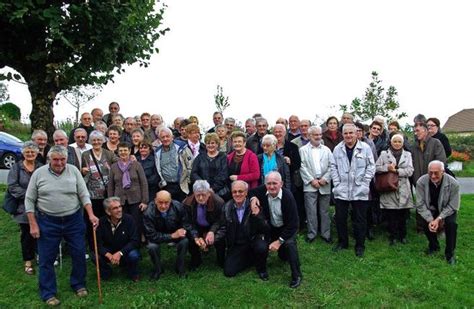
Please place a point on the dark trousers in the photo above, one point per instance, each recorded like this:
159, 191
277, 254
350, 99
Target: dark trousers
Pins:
359, 222
154, 250
195, 252
99, 212
128, 262
240, 257
72, 228
136, 213
289, 252
450, 229
397, 222
175, 190
299, 198
28, 243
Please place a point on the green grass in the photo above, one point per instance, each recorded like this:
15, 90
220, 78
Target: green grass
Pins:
467, 170
399, 276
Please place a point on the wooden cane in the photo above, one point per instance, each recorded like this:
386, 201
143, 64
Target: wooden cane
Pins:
97, 264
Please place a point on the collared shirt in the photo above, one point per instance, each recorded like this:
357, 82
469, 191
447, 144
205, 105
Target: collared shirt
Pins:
114, 226
201, 215
86, 147
304, 141
240, 211
316, 154
276, 216
194, 148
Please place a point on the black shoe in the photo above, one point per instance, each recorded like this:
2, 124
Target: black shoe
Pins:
296, 282
155, 275
195, 265
359, 252
338, 248
263, 276
392, 242
370, 234
327, 240
404, 241
136, 278
431, 251
309, 240
451, 260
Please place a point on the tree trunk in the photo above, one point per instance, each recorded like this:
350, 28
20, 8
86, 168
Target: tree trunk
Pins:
42, 116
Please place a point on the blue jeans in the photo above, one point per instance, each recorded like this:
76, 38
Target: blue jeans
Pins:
52, 229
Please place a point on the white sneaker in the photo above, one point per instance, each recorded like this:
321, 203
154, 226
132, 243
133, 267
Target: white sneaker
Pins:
87, 257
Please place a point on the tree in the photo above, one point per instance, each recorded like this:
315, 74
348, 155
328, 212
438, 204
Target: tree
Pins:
56, 45
220, 100
78, 96
375, 102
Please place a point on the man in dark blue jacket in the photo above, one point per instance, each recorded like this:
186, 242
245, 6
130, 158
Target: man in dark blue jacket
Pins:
117, 240
279, 209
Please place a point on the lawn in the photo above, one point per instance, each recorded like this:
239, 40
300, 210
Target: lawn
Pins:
399, 276
467, 170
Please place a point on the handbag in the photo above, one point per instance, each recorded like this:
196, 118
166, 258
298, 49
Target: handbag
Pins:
10, 203
386, 182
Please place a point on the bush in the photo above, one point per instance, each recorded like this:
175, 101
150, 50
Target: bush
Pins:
11, 111
462, 143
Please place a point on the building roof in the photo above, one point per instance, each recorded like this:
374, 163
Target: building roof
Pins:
460, 122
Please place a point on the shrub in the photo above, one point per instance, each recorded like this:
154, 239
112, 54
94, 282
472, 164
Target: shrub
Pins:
462, 143
459, 156
11, 111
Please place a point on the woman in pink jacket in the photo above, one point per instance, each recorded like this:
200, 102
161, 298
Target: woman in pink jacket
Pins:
242, 162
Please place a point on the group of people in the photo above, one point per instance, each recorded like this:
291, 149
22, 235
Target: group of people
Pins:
244, 192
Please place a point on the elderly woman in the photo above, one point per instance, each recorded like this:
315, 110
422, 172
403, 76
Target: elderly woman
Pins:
434, 131
18, 179
193, 135
242, 163
113, 135
137, 137
128, 181
146, 158
396, 204
222, 133
332, 136
270, 160
40, 138
96, 164
204, 209
211, 166
377, 136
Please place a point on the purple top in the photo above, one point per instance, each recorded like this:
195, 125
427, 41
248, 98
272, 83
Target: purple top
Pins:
201, 215
240, 212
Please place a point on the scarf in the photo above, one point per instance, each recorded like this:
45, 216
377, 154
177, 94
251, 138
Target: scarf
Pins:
125, 168
396, 153
332, 134
269, 164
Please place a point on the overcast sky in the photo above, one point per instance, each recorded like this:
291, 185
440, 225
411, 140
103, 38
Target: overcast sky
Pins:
298, 57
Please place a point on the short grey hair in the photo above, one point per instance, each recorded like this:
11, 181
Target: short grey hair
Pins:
110, 200
37, 133
30, 145
96, 134
80, 130
235, 182
270, 138
138, 130
165, 129
57, 149
59, 132
348, 126
312, 129
279, 125
252, 120
436, 162
201, 186
261, 119
275, 174
229, 120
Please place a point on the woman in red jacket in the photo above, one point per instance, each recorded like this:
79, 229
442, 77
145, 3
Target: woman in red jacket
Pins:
242, 162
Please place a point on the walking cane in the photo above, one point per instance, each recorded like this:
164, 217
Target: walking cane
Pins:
97, 265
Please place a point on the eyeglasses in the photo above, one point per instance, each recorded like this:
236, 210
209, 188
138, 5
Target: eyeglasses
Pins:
238, 191
431, 126
376, 128
144, 147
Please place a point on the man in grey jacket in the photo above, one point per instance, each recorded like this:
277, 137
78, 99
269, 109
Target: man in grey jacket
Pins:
352, 168
437, 202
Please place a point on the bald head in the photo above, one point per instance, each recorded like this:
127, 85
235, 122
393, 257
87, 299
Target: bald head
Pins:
163, 200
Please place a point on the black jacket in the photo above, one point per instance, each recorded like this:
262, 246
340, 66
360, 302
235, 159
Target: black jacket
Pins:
292, 151
445, 141
159, 229
253, 226
214, 171
149, 167
124, 239
213, 212
288, 209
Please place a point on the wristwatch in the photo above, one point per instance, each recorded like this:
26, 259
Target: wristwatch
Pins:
281, 240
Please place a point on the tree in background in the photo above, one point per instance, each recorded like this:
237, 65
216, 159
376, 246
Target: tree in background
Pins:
56, 45
376, 101
79, 96
221, 101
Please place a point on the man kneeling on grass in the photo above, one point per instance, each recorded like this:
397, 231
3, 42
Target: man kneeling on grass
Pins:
117, 240
437, 202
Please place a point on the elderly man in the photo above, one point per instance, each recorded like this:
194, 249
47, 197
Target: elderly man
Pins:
316, 174
294, 127
204, 209
438, 201
54, 200
117, 240
114, 109
81, 136
40, 138
166, 221
128, 126
352, 169
173, 160
86, 124
254, 142
217, 118
97, 115
244, 232
279, 209
229, 123
303, 139
73, 156
250, 127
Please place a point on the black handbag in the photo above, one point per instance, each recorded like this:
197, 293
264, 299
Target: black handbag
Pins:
10, 203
